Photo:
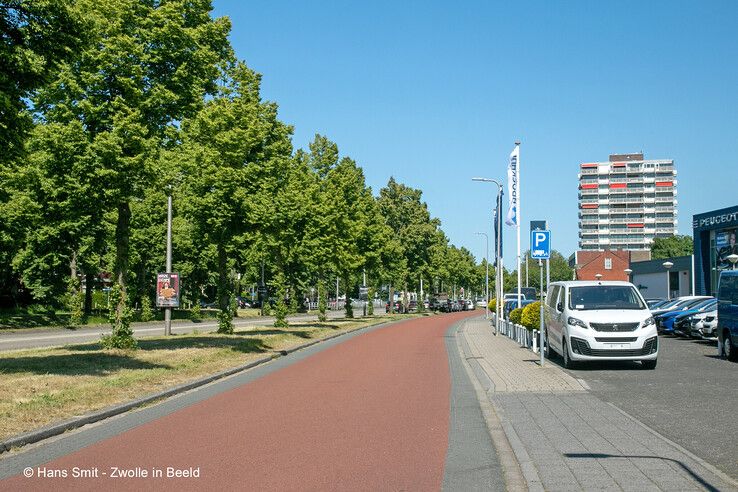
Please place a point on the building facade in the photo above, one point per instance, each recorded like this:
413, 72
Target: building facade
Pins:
609, 265
714, 240
654, 280
626, 202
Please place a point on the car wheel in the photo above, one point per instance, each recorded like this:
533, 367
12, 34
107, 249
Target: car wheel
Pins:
568, 363
729, 350
649, 364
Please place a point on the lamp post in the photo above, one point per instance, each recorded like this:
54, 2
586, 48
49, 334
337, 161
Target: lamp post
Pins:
668, 265
628, 271
168, 310
733, 259
598, 276
498, 259
486, 276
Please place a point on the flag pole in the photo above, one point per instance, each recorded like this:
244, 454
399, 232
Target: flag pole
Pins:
519, 215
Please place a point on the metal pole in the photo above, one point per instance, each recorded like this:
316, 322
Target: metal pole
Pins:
168, 310
540, 313
500, 269
486, 281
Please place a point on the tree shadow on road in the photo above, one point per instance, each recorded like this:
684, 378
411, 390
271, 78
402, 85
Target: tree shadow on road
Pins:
178, 342
707, 485
94, 364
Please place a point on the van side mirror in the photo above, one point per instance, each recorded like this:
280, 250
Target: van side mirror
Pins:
559, 307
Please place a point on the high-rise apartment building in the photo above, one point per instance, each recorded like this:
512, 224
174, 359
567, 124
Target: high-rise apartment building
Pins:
626, 202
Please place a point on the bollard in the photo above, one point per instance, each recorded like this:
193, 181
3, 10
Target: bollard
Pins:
535, 345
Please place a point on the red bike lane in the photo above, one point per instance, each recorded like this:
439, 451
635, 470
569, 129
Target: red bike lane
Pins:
370, 413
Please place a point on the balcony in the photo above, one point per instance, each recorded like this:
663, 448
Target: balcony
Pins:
588, 171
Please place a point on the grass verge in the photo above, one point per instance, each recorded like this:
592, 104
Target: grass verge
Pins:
42, 386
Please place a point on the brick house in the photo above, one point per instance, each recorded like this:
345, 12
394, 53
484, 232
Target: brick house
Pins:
611, 264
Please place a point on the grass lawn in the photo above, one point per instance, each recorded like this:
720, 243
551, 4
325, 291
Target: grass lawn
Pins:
42, 386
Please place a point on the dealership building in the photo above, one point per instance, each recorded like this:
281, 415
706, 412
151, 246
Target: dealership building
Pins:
714, 240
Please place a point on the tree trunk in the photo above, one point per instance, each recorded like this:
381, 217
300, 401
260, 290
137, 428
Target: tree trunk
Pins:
89, 286
122, 244
223, 294
391, 299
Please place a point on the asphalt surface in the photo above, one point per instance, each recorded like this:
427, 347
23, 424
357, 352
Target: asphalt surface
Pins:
691, 397
372, 410
50, 337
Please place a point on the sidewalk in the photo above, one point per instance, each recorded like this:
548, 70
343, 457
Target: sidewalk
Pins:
565, 438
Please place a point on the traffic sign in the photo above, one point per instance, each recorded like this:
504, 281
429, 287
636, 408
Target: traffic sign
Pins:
540, 245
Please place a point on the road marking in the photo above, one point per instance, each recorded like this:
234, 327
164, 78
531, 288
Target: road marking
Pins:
584, 384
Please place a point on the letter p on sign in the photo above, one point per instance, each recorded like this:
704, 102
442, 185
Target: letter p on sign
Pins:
540, 245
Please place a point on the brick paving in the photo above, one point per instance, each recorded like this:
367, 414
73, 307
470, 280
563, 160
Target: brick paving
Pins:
572, 439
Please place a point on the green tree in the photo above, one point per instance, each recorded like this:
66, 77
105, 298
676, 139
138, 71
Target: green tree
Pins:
669, 247
148, 66
235, 156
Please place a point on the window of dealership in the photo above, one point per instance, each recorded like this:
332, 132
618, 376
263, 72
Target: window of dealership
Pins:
714, 240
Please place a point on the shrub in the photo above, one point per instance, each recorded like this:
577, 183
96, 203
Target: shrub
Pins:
515, 315
195, 313
122, 336
492, 305
531, 317
147, 314
370, 302
225, 321
322, 302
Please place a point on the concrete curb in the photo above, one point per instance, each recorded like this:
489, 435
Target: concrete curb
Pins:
74, 423
516, 466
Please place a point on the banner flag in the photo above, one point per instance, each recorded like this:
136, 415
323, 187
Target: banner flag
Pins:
513, 218
498, 229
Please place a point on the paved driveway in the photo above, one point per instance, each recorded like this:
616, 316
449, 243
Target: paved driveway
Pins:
691, 397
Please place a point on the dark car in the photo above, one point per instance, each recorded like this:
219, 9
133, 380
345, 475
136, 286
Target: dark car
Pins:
727, 329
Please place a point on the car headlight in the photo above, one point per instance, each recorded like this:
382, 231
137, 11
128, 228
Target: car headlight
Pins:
648, 321
576, 322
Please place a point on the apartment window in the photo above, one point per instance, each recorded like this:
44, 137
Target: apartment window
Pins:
608, 263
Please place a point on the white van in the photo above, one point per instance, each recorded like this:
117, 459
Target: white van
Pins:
599, 321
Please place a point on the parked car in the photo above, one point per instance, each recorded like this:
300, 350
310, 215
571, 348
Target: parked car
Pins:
469, 305
655, 303
528, 292
512, 305
603, 320
708, 330
511, 296
398, 307
728, 313
665, 321
481, 302
682, 324
412, 306
678, 303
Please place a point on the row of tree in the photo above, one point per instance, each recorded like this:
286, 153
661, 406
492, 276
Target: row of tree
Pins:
111, 105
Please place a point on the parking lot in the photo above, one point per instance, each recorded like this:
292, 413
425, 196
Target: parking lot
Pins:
690, 398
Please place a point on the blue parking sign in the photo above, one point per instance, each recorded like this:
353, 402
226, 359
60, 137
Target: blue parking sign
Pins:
540, 245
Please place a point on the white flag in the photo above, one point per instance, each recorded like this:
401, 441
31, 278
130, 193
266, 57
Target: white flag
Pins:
512, 188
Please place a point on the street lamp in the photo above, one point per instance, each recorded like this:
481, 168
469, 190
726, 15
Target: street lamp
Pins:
486, 276
668, 265
498, 234
598, 276
628, 271
733, 259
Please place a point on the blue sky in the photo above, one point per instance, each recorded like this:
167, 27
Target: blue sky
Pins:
435, 93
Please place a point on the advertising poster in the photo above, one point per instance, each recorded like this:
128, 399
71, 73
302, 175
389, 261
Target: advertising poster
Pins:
725, 244
167, 290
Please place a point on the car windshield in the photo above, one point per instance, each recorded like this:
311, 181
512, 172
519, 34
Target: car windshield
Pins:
592, 297
704, 304
669, 304
656, 303
692, 303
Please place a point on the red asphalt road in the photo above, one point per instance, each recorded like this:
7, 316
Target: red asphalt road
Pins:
371, 413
